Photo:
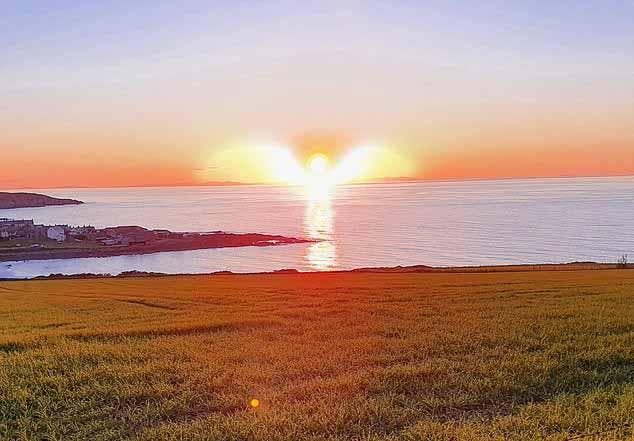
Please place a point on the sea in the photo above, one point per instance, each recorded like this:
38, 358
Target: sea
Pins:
521, 221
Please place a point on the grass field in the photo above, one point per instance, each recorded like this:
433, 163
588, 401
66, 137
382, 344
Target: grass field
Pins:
504, 356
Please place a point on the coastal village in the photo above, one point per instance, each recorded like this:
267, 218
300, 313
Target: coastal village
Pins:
22, 239
26, 231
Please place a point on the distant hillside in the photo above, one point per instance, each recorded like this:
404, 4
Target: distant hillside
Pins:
26, 200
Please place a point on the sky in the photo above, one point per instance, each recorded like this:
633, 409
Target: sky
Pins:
117, 93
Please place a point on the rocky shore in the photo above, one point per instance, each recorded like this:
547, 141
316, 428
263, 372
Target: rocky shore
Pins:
29, 200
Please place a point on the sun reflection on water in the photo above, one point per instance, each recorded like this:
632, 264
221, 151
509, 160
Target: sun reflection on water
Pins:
321, 256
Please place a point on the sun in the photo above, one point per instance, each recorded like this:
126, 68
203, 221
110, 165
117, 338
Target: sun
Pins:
317, 170
318, 164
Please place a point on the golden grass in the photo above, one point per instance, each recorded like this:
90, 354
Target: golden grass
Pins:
504, 356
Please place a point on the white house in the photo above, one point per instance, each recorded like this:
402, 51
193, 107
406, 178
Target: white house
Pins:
56, 233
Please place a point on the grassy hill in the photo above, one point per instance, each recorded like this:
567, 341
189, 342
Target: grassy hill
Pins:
499, 356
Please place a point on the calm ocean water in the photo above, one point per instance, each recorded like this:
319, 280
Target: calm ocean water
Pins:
431, 223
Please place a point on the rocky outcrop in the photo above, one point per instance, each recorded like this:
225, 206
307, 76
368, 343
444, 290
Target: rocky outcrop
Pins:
28, 200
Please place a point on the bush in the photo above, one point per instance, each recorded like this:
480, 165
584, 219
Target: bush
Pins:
622, 262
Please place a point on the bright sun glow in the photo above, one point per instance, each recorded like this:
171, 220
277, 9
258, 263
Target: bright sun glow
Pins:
318, 164
272, 163
319, 171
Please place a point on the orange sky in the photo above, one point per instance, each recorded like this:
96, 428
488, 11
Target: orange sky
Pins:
236, 162
133, 95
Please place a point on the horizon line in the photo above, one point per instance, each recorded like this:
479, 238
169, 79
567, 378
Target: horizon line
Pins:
391, 180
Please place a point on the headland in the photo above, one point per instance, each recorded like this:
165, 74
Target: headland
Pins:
30, 200
25, 240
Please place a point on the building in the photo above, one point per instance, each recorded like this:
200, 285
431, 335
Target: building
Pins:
17, 229
12, 229
82, 233
108, 241
57, 233
128, 235
37, 232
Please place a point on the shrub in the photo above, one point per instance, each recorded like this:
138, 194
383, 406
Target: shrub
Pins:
622, 262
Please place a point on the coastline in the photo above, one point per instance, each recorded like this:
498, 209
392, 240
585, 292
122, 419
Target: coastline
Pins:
414, 269
195, 242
